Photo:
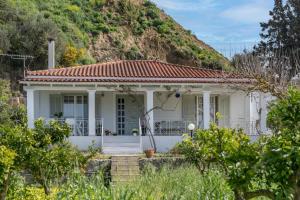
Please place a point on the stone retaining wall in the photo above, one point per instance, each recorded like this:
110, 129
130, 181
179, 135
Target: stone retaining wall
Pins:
104, 165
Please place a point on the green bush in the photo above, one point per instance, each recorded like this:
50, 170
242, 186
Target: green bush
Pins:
285, 114
7, 157
269, 167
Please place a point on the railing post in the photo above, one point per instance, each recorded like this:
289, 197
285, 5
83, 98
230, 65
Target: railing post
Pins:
140, 131
102, 132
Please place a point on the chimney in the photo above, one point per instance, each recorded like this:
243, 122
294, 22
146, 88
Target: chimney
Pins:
51, 53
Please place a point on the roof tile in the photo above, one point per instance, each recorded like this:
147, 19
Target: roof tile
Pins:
133, 71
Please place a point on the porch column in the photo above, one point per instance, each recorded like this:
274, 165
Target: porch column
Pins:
92, 108
149, 107
30, 107
206, 109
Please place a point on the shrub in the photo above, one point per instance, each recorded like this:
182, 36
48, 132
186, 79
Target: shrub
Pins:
167, 183
229, 149
285, 114
7, 157
71, 55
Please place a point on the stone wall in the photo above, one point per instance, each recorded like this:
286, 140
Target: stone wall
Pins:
94, 166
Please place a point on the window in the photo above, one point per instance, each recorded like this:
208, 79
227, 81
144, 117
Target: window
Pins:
55, 105
69, 106
75, 106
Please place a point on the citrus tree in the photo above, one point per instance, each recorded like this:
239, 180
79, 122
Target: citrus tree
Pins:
7, 157
231, 151
281, 155
269, 167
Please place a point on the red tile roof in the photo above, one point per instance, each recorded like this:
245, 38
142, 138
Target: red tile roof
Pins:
134, 71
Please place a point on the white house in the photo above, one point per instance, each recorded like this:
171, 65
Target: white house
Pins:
107, 102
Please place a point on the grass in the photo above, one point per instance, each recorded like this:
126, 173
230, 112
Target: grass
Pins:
181, 183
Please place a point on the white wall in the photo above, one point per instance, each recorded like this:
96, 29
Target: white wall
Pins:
172, 109
265, 100
36, 104
239, 109
108, 110
44, 105
83, 142
163, 143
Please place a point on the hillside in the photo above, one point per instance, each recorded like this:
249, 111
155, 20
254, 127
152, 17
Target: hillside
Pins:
95, 31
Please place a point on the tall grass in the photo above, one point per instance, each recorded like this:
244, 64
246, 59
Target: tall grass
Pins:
182, 183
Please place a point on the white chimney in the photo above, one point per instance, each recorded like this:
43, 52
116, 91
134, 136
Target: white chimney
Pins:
51, 53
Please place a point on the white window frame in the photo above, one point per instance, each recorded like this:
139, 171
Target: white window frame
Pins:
75, 104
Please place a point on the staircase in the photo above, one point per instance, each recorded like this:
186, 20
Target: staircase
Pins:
124, 168
120, 145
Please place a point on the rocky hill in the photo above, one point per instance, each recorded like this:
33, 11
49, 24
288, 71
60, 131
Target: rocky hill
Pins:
88, 31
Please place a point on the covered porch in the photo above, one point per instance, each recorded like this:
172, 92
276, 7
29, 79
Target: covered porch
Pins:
117, 115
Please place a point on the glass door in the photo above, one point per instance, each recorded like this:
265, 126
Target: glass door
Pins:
213, 110
121, 116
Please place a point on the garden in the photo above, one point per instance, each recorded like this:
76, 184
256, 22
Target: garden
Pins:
219, 163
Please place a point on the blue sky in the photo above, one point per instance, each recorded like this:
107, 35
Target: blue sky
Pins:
220, 23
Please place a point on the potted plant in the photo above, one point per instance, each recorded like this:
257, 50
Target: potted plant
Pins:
135, 132
149, 152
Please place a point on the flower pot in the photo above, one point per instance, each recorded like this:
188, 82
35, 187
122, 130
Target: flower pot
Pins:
149, 153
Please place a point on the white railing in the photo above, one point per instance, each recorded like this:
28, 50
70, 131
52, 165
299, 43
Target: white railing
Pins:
99, 127
249, 127
140, 134
171, 128
175, 128
79, 126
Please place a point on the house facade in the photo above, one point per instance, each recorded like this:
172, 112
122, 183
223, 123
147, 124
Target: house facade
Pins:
120, 104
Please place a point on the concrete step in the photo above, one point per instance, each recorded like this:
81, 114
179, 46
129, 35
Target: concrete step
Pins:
123, 144
120, 139
121, 150
125, 163
124, 178
125, 173
126, 158
124, 168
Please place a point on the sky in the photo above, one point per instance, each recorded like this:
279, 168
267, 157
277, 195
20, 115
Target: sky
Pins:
227, 25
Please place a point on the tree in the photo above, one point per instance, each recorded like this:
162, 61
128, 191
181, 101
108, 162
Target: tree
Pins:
43, 151
15, 143
275, 31
268, 72
282, 32
281, 155
7, 157
269, 167
51, 157
233, 152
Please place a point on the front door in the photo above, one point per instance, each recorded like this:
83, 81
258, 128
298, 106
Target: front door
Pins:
129, 110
